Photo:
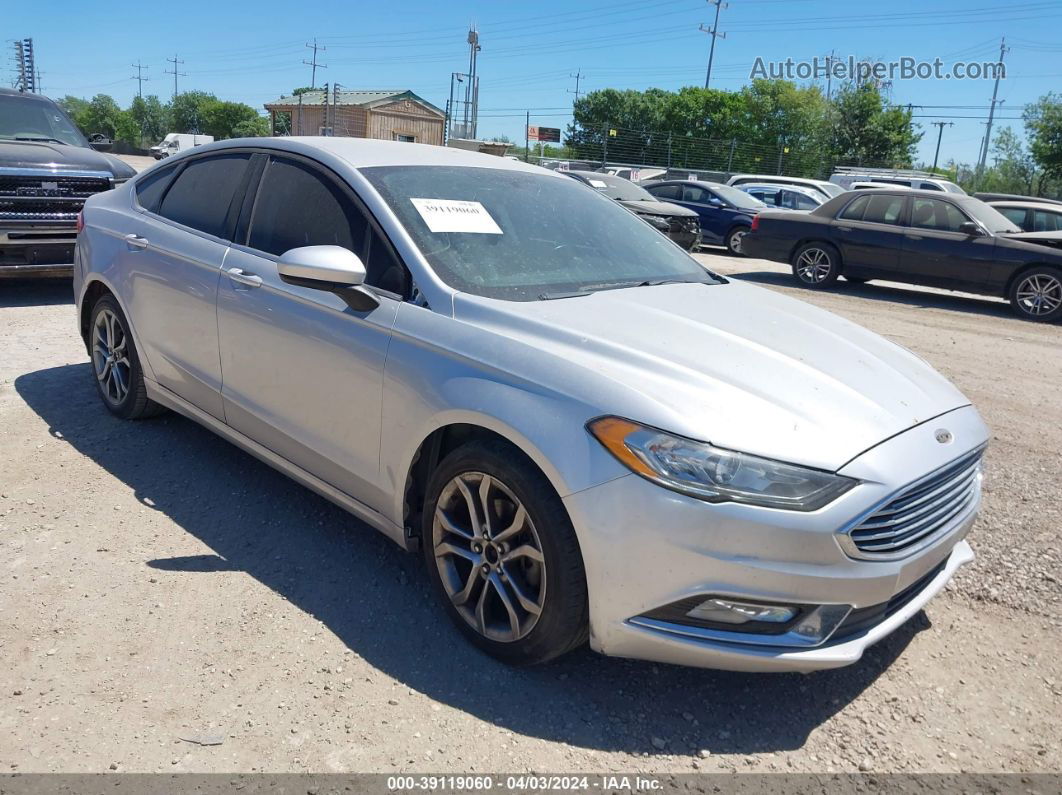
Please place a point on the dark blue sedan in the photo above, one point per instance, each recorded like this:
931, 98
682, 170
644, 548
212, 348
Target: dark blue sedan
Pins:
725, 212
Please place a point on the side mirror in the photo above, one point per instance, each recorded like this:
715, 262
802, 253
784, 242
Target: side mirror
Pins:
332, 268
971, 229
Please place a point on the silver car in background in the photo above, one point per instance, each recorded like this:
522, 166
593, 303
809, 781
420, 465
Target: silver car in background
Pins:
585, 433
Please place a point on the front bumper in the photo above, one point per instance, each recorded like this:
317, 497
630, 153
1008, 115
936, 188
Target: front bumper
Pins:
34, 250
645, 547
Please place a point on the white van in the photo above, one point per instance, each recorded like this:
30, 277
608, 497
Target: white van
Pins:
178, 142
889, 177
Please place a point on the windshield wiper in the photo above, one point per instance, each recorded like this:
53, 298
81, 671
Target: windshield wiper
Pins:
42, 140
570, 294
590, 289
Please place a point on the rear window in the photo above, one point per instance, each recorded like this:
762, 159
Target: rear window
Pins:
150, 189
854, 211
884, 209
202, 192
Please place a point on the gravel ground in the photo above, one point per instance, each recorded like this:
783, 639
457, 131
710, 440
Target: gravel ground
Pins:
167, 603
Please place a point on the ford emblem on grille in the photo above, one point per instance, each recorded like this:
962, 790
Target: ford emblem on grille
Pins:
943, 435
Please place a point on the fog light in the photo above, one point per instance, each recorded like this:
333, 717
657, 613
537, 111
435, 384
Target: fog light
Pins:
728, 611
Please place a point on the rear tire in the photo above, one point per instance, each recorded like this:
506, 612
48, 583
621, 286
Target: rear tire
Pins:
817, 265
1037, 294
502, 555
733, 240
115, 363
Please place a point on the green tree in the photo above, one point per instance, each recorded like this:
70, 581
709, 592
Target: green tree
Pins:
232, 120
151, 117
100, 115
75, 107
866, 131
187, 111
1043, 125
126, 128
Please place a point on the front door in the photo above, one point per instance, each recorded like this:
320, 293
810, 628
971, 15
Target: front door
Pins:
302, 371
935, 252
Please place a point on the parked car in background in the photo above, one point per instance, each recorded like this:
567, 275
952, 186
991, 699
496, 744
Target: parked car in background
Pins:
827, 189
47, 170
586, 434
1014, 197
789, 197
178, 142
1031, 216
678, 223
922, 237
634, 173
919, 180
726, 213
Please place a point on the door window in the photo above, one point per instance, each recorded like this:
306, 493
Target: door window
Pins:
935, 214
150, 189
884, 209
1014, 214
854, 211
295, 207
804, 202
694, 194
1044, 221
666, 192
202, 192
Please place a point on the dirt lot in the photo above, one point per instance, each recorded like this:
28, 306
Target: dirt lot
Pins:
160, 590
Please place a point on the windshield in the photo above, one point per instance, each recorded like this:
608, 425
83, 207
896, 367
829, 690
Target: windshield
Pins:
34, 119
736, 197
522, 236
831, 189
617, 187
989, 217
951, 187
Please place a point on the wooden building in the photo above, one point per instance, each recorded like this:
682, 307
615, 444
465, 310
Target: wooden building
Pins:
385, 115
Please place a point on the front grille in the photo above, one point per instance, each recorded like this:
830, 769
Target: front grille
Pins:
683, 224
921, 509
46, 197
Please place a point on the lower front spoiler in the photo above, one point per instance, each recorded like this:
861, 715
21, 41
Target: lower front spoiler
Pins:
36, 271
674, 646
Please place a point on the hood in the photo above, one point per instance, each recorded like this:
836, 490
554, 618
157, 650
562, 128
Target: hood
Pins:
1051, 239
658, 208
61, 157
732, 364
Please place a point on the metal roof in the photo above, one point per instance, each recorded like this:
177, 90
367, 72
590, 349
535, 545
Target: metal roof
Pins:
364, 99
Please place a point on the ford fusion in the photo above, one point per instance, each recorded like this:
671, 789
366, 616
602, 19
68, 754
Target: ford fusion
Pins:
587, 435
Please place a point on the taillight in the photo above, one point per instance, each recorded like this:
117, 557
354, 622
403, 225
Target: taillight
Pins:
755, 223
80, 221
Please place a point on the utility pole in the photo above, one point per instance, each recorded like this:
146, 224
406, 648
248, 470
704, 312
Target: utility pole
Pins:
578, 76
472, 89
940, 133
313, 64
715, 34
175, 73
27, 80
829, 74
139, 77
324, 131
1003, 49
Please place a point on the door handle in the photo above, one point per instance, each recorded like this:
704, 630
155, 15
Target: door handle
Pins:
135, 242
243, 277
844, 229
909, 236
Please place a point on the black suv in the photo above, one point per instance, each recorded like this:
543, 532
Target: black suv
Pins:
47, 170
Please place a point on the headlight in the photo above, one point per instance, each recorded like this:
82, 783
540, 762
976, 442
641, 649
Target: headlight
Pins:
713, 474
657, 221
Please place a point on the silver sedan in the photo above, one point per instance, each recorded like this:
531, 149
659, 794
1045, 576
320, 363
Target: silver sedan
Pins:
586, 434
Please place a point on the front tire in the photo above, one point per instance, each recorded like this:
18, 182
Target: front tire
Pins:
816, 265
502, 555
119, 376
734, 238
1037, 295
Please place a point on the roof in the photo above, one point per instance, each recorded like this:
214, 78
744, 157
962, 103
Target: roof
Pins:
369, 152
361, 99
1025, 203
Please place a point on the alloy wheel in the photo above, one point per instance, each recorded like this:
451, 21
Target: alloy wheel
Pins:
813, 265
1039, 294
735, 240
489, 557
110, 356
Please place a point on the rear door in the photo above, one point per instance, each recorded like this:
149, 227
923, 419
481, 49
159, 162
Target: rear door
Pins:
173, 256
936, 252
303, 372
869, 235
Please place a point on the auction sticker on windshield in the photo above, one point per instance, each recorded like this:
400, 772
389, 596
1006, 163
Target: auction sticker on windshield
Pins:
451, 215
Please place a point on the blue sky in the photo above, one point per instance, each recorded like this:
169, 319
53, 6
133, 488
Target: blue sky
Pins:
253, 51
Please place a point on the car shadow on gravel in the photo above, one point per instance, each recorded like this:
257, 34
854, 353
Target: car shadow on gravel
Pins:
891, 293
35, 292
375, 598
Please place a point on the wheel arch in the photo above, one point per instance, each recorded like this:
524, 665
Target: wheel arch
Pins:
816, 239
1025, 269
96, 287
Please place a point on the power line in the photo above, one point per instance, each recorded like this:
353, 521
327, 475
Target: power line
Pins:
139, 78
313, 64
175, 73
715, 34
